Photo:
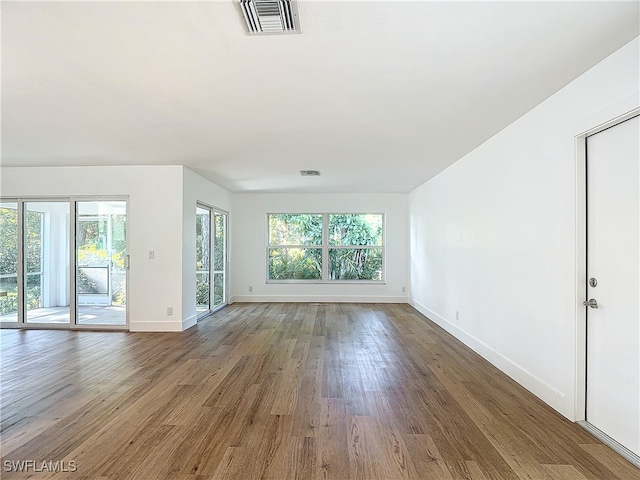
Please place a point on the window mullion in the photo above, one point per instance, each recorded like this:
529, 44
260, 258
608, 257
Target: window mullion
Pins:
21, 284
325, 246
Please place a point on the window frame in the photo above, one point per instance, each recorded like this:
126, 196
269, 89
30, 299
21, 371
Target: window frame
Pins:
325, 247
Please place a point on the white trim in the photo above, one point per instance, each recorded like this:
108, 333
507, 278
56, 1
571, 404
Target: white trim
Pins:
189, 322
212, 207
538, 387
320, 298
156, 326
312, 281
580, 280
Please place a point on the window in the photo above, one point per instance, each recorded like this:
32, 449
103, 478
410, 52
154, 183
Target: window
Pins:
355, 247
325, 247
295, 246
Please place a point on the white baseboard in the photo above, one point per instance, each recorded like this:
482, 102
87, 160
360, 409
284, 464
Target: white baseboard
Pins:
155, 326
189, 322
544, 391
320, 298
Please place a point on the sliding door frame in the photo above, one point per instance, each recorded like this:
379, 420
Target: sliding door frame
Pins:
225, 260
207, 312
73, 301
74, 264
212, 231
20, 262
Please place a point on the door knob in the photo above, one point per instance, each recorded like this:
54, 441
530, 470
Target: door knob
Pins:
593, 303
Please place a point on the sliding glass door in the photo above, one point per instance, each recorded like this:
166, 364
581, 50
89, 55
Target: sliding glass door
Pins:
101, 256
63, 263
46, 251
203, 260
219, 260
211, 260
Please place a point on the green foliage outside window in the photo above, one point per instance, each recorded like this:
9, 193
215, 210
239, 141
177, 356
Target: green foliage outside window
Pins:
9, 258
296, 246
203, 258
93, 234
9, 303
295, 229
295, 263
9, 241
92, 250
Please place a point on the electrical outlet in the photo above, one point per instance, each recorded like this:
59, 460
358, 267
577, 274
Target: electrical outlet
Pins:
457, 315
169, 311
250, 288
152, 254
404, 289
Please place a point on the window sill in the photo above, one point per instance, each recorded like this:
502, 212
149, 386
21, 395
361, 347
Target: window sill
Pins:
326, 282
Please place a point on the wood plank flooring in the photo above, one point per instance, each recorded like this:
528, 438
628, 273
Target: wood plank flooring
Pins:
281, 391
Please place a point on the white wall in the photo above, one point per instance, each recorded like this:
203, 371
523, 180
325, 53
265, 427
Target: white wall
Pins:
494, 236
155, 223
196, 189
248, 265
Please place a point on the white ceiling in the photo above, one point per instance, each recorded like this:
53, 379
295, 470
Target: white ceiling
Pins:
378, 95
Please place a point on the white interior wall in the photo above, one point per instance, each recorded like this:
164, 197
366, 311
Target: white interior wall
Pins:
154, 220
249, 262
493, 237
196, 189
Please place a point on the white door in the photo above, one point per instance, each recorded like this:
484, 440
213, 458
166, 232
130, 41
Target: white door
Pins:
613, 257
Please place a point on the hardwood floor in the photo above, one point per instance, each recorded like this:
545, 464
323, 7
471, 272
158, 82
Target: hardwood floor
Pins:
281, 391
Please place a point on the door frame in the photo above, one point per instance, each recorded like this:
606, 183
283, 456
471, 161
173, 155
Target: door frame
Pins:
98, 198
607, 118
73, 301
209, 209
215, 308
20, 270
213, 210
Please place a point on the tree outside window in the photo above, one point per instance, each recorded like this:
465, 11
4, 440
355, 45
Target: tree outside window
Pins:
325, 247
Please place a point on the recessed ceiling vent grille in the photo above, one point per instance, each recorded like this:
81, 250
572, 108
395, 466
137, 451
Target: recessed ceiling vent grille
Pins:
270, 16
310, 173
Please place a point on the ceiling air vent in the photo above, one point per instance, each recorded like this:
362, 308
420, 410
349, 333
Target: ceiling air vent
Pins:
270, 16
310, 173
